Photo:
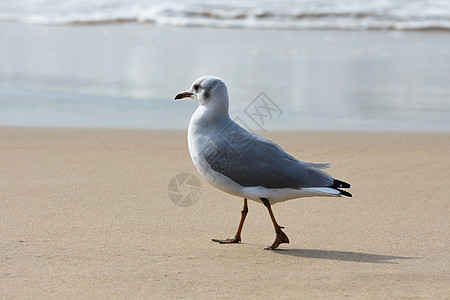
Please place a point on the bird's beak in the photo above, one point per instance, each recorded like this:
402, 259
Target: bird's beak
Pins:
183, 95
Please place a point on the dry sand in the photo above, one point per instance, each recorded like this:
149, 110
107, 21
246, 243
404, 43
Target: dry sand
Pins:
86, 214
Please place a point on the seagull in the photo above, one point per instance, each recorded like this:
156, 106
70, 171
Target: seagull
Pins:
245, 164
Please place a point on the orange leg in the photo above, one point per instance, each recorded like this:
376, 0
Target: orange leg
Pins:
281, 237
237, 237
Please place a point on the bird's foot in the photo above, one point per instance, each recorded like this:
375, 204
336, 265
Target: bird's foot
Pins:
235, 240
279, 239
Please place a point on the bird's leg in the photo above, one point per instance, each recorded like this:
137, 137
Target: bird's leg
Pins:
237, 237
281, 237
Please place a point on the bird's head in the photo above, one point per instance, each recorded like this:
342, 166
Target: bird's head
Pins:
207, 90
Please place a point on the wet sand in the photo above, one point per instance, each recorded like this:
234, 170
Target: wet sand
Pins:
126, 75
86, 214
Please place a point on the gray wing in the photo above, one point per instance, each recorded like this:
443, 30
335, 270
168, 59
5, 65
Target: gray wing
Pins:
252, 160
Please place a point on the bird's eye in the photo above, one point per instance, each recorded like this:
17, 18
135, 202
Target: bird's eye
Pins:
196, 87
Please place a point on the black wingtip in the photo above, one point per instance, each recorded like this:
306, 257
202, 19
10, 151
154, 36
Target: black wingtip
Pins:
345, 193
338, 185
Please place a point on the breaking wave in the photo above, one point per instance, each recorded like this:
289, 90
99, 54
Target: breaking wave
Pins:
420, 16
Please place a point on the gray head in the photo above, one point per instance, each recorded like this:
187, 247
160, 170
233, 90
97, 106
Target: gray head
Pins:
207, 91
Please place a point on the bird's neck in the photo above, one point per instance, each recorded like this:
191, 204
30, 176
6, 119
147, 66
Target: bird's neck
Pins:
210, 114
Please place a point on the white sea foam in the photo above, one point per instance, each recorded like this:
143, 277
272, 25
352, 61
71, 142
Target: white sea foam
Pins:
260, 14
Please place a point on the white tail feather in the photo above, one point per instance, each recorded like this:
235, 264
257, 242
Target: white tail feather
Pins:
322, 191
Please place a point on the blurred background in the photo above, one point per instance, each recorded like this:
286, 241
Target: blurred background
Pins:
328, 65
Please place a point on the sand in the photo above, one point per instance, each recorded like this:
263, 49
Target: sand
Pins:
86, 214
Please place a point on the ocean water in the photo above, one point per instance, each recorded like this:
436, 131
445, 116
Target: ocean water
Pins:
306, 65
289, 14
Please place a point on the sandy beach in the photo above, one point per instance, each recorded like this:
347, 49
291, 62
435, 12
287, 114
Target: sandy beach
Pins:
92, 213
86, 214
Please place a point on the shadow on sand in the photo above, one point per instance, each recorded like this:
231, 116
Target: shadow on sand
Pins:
342, 255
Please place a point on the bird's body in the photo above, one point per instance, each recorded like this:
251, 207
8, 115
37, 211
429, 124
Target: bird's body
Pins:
245, 164
250, 166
